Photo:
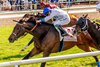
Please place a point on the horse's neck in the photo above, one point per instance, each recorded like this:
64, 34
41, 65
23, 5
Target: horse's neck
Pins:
90, 27
95, 34
42, 30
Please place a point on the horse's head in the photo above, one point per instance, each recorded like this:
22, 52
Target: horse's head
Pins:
81, 24
24, 24
39, 16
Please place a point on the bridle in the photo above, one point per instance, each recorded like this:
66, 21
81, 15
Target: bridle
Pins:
85, 27
83, 24
24, 22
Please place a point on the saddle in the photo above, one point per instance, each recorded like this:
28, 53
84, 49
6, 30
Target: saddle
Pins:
68, 37
68, 30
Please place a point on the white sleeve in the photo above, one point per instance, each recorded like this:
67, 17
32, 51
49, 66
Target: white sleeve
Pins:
49, 17
98, 6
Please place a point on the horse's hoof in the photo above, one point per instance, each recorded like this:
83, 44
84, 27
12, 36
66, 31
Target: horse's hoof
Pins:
22, 50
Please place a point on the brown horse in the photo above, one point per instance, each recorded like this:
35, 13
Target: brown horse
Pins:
73, 21
47, 39
85, 24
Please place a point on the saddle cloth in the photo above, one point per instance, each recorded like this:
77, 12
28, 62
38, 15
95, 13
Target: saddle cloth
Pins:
70, 36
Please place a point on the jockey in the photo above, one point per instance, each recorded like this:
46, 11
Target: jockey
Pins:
51, 6
61, 18
98, 7
44, 5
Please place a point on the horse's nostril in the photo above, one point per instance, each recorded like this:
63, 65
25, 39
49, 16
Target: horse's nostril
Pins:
10, 39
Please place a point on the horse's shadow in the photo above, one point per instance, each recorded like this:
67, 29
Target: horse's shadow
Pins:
14, 56
93, 64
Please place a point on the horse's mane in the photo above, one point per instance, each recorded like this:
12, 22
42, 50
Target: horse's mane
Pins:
73, 16
48, 24
91, 22
32, 19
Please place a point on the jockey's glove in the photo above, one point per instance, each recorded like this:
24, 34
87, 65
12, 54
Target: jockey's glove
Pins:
38, 21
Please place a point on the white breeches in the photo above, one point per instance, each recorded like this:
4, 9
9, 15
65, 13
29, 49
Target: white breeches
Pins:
63, 21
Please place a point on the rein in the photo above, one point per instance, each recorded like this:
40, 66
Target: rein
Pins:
30, 31
34, 27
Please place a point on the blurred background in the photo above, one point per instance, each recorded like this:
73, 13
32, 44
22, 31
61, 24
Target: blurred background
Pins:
16, 5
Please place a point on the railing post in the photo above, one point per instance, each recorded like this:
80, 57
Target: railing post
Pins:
16, 65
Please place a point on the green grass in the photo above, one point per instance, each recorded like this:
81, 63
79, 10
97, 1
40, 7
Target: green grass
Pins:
11, 52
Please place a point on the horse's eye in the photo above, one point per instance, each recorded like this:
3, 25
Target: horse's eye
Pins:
82, 22
18, 28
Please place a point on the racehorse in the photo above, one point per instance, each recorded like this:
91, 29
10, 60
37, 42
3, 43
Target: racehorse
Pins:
47, 39
73, 21
85, 24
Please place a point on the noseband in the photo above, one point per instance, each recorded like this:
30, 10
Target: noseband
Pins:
14, 34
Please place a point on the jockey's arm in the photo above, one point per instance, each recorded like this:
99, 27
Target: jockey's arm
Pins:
47, 18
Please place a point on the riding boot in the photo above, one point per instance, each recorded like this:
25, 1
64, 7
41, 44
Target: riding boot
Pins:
63, 32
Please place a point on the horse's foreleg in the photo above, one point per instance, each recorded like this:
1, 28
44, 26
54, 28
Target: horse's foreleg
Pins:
45, 54
33, 52
96, 59
93, 45
86, 48
27, 44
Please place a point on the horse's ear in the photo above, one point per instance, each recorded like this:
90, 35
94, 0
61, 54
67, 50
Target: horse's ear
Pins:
15, 20
39, 13
86, 16
83, 15
32, 18
26, 16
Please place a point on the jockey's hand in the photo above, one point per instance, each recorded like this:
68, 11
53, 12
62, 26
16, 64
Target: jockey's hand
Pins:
38, 21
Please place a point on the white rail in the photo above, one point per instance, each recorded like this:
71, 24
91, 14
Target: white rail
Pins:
72, 11
20, 62
14, 14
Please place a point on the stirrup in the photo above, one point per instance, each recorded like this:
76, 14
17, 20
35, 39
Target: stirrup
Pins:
64, 34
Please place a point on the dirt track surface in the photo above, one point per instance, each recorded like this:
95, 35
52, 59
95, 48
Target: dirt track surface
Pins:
10, 22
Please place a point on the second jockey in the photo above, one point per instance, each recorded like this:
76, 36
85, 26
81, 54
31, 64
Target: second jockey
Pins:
51, 6
61, 18
98, 7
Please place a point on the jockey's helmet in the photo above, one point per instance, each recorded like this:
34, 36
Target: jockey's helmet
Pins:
46, 11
